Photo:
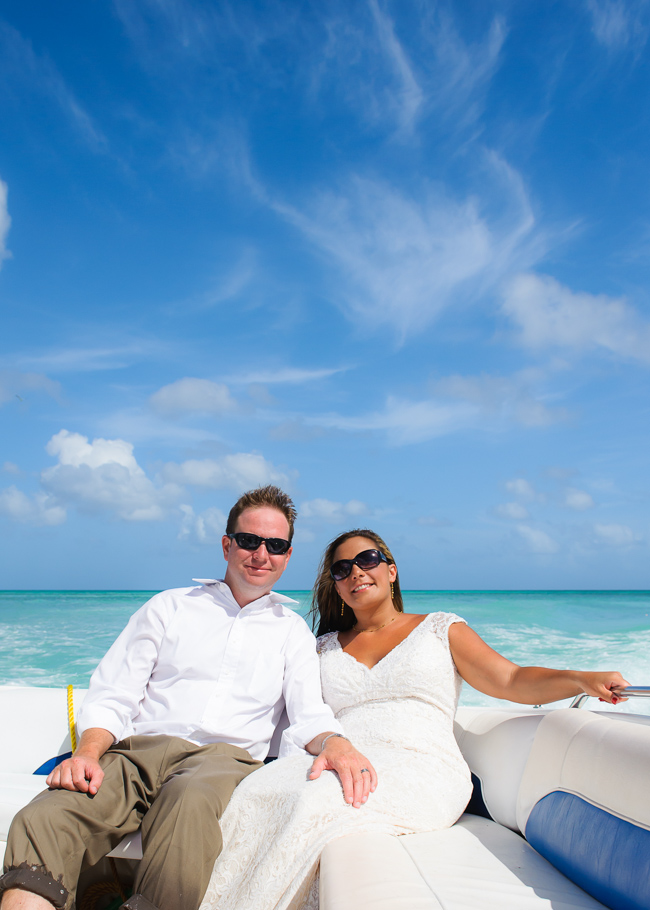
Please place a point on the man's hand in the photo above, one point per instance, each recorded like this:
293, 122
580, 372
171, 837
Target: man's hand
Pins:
358, 777
83, 772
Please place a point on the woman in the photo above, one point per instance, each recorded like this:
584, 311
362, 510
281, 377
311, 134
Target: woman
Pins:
393, 680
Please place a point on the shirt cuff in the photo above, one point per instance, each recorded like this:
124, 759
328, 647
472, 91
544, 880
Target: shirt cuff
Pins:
96, 716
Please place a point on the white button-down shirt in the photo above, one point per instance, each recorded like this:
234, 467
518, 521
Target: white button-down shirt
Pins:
192, 663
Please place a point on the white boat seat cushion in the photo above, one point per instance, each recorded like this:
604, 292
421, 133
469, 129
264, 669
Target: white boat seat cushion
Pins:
475, 864
584, 803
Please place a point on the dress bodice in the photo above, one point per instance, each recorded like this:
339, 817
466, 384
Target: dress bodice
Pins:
408, 699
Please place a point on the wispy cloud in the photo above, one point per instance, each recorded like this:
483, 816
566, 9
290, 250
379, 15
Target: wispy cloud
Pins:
456, 403
21, 64
92, 359
282, 375
512, 398
207, 528
407, 259
18, 386
538, 541
38, 509
394, 80
407, 97
331, 512
237, 472
578, 500
191, 395
5, 222
547, 313
616, 535
616, 24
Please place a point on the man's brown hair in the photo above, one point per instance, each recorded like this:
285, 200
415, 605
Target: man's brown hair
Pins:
270, 496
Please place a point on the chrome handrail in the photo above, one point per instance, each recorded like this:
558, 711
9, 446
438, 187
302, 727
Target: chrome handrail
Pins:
627, 692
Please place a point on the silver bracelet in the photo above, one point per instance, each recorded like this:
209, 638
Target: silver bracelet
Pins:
329, 735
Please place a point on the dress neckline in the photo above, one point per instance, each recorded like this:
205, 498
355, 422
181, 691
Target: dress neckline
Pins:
399, 644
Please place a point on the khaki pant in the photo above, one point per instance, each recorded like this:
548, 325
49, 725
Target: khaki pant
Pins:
175, 790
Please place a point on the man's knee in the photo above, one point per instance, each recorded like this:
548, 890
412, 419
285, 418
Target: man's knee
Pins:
192, 792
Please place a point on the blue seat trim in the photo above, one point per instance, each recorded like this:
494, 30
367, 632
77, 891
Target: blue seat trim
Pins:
476, 804
51, 763
606, 856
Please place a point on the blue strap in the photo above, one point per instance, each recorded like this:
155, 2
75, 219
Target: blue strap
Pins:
51, 763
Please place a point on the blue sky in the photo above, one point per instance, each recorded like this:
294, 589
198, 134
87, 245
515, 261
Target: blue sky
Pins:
391, 256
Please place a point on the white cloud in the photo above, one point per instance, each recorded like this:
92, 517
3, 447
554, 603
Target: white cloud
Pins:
510, 397
513, 510
405, 97
239, 472
615, 535
16, 386
92, 359
578, 500
547, 313
288, 375
521, 488
433, 522
206, 528
39, 509
11, 468
472, 402
189, 395
615, 23
405, 421
5, 222
22, 64
333, 512
103, 476
537, 541
408, 258
394, 84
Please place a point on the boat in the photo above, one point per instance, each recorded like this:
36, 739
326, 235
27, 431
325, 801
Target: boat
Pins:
559, 818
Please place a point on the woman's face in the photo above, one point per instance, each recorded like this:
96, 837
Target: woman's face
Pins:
363, 588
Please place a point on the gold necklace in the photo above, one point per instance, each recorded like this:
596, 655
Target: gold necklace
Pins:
354, 627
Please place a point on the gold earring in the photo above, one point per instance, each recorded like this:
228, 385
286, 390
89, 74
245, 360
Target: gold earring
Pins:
392, 590
342, 606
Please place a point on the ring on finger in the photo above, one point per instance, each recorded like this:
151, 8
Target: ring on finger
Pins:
364, 771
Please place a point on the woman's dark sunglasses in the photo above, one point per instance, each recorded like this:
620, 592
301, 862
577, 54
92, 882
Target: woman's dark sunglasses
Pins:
367, 559
276, 546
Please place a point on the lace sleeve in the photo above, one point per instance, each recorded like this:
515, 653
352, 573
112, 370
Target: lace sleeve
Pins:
326, 642
439, 624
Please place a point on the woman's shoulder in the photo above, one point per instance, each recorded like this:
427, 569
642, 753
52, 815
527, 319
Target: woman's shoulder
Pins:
326, 642
439, 622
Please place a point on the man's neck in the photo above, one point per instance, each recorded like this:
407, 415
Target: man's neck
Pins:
244, 595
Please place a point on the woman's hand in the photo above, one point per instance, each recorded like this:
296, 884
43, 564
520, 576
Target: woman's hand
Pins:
602, 685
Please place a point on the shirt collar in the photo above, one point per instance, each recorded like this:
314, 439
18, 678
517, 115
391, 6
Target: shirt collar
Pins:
267, 599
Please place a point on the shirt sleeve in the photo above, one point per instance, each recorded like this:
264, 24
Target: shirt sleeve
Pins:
308, 714
118, 684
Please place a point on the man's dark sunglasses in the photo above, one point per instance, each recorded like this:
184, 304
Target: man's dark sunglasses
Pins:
367, 559
276, 546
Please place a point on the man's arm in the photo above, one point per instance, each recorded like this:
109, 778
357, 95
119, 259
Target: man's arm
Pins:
358, 777
82, 772
312, 720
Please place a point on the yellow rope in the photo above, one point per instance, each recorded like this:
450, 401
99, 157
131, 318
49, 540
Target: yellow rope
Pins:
73, 735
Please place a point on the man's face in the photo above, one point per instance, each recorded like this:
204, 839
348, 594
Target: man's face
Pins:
252, 573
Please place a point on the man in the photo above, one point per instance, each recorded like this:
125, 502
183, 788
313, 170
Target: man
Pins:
179, 711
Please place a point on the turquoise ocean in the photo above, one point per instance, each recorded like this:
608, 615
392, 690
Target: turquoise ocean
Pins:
53, 638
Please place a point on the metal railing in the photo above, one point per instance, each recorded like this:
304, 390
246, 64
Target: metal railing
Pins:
628, 692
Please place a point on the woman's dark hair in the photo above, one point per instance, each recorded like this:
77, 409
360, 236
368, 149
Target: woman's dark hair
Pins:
326, 601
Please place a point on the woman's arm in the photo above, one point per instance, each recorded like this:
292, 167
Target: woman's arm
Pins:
489, 672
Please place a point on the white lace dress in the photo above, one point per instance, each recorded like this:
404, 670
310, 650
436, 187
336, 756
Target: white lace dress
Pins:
400, 715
